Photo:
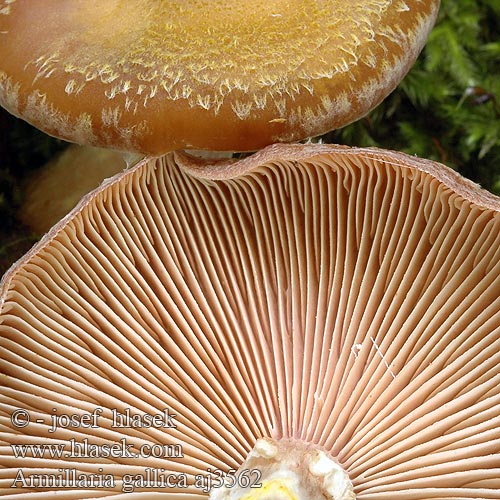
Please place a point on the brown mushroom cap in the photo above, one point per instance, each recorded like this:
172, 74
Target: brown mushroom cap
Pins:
347, 299
52, 191
153, 76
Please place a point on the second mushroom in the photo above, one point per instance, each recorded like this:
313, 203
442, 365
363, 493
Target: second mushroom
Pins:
310, 322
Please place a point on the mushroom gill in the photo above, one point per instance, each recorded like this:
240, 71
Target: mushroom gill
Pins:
323, 320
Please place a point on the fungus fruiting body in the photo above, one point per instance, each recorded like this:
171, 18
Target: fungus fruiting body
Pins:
154, 76
324, 306
58, 186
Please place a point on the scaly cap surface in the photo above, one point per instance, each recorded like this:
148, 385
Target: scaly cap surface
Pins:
154, 76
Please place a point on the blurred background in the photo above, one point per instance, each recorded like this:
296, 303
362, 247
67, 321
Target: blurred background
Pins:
447, 109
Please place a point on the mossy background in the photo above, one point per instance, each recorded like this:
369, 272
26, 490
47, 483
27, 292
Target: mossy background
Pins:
446, 109
448, 106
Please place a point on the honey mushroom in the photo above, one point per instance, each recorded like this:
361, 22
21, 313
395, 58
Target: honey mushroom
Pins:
151, 76
323, 322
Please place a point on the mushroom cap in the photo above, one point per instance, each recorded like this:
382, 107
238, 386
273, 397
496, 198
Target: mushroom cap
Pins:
154, 76
59, 185
348, 299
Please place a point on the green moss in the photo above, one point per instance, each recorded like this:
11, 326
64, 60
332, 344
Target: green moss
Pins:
447, 108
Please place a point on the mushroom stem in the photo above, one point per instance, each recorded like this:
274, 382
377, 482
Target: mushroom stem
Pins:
287, 469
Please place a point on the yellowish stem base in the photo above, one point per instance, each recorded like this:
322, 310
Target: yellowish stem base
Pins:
287, 470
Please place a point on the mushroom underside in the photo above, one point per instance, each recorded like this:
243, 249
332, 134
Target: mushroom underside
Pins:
346, 300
